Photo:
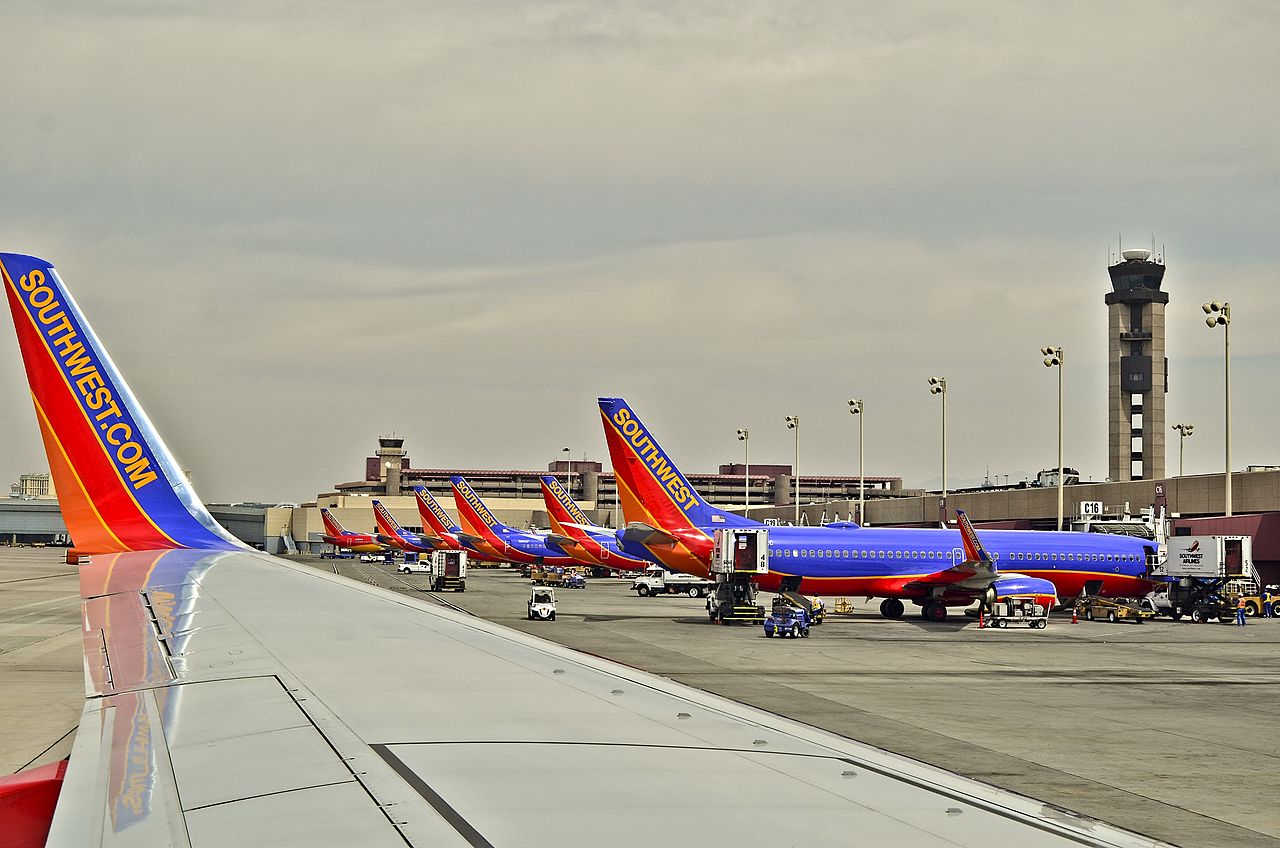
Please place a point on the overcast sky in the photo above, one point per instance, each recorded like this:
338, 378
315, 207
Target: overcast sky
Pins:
297, 226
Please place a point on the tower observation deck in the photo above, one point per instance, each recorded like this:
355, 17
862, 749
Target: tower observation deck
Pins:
1138, 372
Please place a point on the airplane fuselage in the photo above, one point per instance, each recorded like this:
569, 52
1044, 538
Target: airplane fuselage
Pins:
358, 542
881, 562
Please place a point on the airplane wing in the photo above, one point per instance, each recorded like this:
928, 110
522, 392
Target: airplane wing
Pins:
237, 699
474, 541
644, 534
975, 573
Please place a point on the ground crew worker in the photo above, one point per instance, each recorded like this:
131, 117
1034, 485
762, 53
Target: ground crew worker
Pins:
1266, 602
1240, 608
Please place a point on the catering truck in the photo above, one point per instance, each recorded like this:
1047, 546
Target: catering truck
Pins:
1206, 575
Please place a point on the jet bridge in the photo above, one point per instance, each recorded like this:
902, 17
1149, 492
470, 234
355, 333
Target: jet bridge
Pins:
738, 556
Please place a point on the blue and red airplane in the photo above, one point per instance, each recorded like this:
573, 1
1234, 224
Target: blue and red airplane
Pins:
441, 527
579, 536
390, 532
339, 536
502, 541
671, 524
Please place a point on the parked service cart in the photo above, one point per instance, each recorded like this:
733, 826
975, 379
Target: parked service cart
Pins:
1019, 611
542, 604
786, 620
1092, 608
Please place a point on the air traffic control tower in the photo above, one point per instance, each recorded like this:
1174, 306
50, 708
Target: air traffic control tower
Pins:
1139, 371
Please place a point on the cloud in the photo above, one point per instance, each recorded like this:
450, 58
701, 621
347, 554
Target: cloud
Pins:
299, 226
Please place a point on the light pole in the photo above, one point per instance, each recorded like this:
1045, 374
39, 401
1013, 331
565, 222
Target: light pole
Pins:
938, 386
855, 408
1053, 359
1220, 314
744, 436
793, 423
568, 471
1184, 430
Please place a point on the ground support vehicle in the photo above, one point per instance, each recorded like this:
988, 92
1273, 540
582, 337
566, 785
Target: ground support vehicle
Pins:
417, 566
786, 620
542, 604
575, 581
814, 607
449, 571
1092, 608
547, 575
1019, 611
656, 580
737, 557
1201, 571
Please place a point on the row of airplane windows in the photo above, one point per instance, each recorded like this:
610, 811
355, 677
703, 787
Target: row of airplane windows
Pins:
831, 553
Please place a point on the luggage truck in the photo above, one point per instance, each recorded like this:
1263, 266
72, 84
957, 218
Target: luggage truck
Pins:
737, 556
1198, 570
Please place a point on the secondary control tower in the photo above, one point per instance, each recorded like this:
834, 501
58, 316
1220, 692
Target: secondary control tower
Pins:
1138, 373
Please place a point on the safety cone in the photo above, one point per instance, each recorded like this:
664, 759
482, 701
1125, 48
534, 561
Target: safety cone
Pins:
982, 621
1075, 616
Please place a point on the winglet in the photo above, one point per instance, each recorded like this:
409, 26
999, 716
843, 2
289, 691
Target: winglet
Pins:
973, 550
119, 487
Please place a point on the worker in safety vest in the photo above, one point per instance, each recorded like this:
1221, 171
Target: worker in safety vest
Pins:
1266, 602
1240, 609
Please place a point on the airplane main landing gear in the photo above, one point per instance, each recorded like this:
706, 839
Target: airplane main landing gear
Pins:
934, 611
891, 608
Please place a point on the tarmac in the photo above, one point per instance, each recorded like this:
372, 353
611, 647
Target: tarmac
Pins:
1170, 729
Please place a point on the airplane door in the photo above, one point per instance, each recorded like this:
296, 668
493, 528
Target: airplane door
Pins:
744, 552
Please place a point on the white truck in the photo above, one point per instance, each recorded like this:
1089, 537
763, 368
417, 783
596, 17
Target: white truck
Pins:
447, 570
658, 581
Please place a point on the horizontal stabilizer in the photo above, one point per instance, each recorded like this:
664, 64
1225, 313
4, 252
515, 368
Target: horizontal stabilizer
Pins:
593, 530
643, 534
562, 542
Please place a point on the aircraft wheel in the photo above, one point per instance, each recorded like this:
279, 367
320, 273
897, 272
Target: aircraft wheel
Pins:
892, 608
935, 611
